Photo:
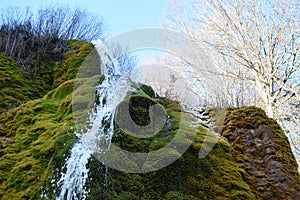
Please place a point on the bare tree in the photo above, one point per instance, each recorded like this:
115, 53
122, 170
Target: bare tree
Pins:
122, 57
32, 37
248, 44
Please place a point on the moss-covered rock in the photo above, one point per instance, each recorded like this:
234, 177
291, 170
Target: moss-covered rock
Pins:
35, 141
35, 138
73, 59
263, 150
15, 87
216, 176
251, 160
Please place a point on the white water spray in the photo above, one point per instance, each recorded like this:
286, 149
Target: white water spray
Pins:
97, 138
73, 181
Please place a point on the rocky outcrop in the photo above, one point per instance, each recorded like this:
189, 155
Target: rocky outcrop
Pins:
263, 150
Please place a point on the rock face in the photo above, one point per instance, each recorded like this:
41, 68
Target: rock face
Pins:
263, 150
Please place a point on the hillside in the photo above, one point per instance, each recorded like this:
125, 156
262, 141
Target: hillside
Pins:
251, 159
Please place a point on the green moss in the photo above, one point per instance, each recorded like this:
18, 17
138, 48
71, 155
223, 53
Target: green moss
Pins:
174, 195
15, 87
40, 142
44, 140
31, 150
63, 145
39, 132
216, 176
139, 104
36, 135
244, 121
72, 62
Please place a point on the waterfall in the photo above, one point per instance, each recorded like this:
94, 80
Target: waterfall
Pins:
97, 138
73, 181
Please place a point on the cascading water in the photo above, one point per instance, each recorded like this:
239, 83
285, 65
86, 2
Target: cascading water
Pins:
98, 137
110, 93
73, 181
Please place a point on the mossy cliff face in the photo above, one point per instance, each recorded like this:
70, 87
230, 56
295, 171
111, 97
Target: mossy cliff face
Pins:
264, 152
15, 87
36, 135
217, 176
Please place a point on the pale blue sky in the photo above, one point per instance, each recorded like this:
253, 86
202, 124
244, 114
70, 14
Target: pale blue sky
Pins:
119, 15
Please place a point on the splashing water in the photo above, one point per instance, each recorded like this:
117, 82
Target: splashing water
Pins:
74, 179
110, 93
98, 137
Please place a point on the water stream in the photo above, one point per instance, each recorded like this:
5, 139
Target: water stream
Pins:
97, 138
73, 181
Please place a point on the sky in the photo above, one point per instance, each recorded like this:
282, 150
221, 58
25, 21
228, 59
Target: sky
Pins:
119, 15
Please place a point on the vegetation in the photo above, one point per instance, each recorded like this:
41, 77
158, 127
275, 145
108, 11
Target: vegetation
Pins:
39, 122
37, 135
38, 41
243, 53
268, 149
15, 87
